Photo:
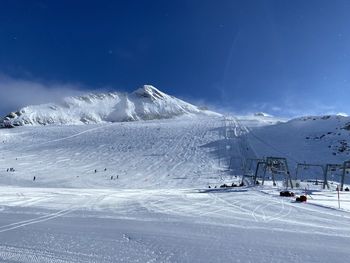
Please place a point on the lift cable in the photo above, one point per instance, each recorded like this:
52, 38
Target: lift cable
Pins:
273, 147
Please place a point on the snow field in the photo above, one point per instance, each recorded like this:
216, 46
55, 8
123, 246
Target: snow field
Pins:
142, 154
169, 225
159, 208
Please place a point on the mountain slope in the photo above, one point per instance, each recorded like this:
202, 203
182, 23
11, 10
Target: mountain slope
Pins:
170, 153
310, 139
187, 151
146, 103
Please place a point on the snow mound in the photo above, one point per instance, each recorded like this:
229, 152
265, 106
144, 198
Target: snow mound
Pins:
146, 103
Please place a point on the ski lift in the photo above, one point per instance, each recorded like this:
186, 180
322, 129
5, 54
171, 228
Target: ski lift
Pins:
346, 170
275, 165
332, 169
249, 167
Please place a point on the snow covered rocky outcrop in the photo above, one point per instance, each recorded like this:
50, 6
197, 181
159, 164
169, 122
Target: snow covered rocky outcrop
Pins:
146, 103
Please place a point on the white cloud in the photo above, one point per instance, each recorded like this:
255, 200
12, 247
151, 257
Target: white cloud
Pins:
16, 93
342, 114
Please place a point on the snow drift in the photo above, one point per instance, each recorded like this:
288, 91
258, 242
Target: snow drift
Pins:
146, 103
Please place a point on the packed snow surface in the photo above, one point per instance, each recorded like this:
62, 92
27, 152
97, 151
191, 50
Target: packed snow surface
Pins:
138, 192
164, 225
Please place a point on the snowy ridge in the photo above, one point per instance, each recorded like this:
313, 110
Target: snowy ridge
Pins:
145, 103
312, 139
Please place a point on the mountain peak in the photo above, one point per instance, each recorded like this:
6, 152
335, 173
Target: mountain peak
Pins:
262, 114
145, 103
149, 91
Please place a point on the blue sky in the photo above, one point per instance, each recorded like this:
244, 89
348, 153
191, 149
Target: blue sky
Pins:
282, 57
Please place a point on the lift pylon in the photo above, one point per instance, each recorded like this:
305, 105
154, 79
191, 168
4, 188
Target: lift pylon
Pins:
330, 167
308, 165
346, 170
277, 165
258, 165
248, 168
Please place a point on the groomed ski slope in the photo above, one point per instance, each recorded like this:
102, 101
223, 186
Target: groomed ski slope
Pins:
160, 208
173, 225
179, 152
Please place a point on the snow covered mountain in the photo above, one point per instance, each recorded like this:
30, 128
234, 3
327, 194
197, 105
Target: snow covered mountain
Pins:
144, 185
146, 103
311, 139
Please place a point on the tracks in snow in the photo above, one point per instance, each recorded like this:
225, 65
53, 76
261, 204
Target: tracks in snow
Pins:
36, 220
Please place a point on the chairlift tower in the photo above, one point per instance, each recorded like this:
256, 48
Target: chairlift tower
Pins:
330, 168
277, 165
346, 170
258, 165
307, 166
248, 165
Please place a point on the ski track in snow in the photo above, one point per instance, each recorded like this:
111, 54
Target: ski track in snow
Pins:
159, 209
144, 153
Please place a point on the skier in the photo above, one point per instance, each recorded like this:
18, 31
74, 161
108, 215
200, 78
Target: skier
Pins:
111, 177
105, 169
34, 178
95, 170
